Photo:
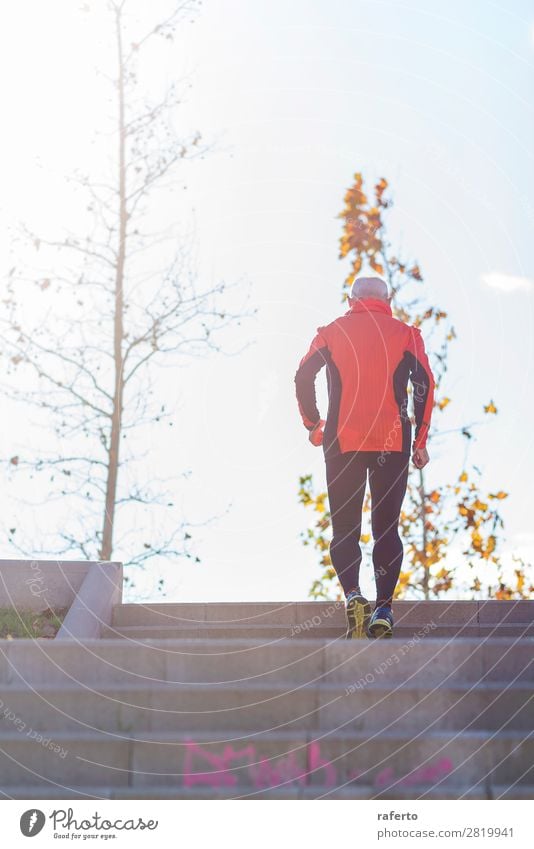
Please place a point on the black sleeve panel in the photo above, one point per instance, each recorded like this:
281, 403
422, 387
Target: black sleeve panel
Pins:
421, 383
305, 386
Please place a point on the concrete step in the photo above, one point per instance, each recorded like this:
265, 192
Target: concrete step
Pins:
350, 662
309, 615
286, 792
420, 762
258, 709
217, 631
269, 700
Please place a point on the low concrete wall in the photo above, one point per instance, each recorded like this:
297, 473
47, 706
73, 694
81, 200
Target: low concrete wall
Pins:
93, 606
39, 584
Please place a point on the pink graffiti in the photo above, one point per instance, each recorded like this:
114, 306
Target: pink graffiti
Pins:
226, 769
265, 773
221, 774
429, 774
262, 772
384, 777
316, 763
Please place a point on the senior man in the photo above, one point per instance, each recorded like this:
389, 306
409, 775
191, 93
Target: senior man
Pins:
370, 356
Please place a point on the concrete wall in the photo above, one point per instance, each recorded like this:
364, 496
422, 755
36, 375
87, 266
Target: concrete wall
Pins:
93, 606
90, 589
38, 584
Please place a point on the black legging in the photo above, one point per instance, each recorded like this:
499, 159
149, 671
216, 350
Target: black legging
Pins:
346, 477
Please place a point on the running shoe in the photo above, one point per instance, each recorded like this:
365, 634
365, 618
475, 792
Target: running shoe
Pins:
358, 611
381, 624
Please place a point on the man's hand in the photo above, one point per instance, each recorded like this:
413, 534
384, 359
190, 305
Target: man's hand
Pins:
316, 434
420, 457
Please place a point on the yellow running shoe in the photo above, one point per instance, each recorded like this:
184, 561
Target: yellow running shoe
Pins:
358, 612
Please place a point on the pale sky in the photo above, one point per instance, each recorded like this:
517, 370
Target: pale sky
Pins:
297, 96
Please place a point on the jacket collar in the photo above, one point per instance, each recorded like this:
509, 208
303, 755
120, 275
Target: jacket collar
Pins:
370, 305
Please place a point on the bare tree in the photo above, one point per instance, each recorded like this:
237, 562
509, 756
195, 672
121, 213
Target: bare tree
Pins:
112, 312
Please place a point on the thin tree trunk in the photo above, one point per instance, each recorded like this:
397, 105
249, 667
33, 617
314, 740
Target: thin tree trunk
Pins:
425, 579
116, 418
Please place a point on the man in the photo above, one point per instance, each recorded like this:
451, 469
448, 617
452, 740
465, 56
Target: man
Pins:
370, 356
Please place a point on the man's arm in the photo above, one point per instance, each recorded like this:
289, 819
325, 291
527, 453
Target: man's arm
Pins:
309, 366
423, 387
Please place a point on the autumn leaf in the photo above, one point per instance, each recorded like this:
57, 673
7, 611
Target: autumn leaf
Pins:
490, 408
380, 188
444, 403
498, 495
463, 477
476, 540
376, 265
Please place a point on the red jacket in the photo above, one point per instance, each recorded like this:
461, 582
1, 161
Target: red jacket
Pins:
370, 356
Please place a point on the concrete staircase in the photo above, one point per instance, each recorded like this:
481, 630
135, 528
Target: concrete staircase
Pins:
269, 700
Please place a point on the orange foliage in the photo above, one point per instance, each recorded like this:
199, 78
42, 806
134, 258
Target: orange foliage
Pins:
431, 519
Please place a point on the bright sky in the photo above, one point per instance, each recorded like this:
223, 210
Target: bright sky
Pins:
298, 95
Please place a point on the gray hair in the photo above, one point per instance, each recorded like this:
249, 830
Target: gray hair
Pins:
369, 287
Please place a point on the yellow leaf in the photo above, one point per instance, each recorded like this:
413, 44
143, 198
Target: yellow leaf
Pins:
490, 547
476, 539
380, 187
415, 272
490, 408
376, 265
